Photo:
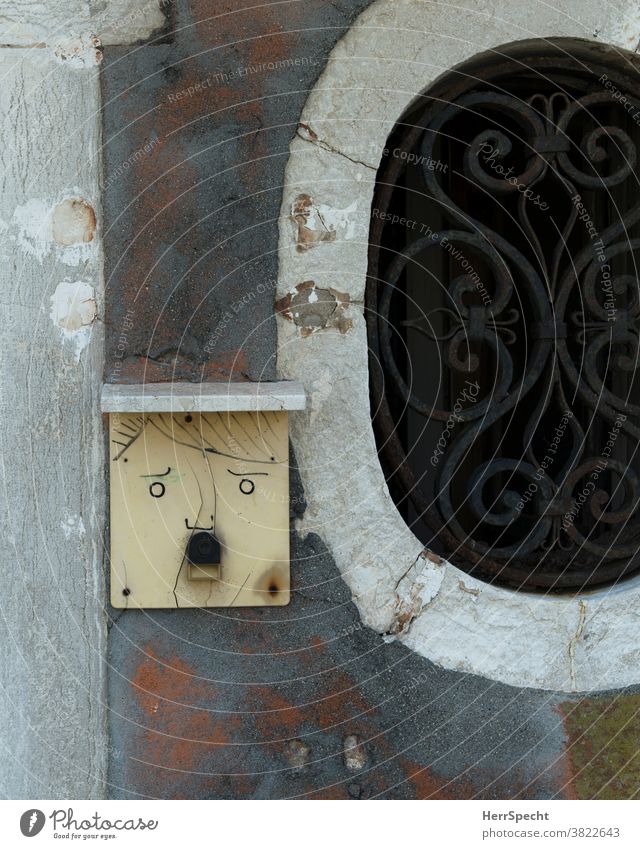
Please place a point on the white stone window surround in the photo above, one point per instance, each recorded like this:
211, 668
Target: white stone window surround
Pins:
394, 51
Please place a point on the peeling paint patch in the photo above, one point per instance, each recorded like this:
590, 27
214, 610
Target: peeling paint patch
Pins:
79, 54
73, 311
66, 227
73, 222
311, 308
318, 222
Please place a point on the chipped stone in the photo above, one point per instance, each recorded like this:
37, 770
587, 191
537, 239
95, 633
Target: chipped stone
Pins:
417, 587
310, 230
465, 589
84, 52
317, 222
355, 756
311, 308
626, 32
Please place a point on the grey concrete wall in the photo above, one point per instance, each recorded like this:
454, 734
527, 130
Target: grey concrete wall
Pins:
52, 624
53, 740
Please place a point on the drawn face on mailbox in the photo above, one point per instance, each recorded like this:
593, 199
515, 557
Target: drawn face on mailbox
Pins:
222, 476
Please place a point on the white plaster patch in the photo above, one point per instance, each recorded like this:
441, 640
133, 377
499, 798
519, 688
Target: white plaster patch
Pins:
72, 526
567, 643
339, 221
320, 390
32, 221
73, 311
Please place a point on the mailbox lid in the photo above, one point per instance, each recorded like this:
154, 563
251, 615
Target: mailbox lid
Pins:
202, 397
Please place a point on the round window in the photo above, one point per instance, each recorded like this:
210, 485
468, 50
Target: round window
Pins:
503, 307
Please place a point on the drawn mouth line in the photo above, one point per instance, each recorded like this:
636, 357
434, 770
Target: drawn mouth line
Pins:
198, 527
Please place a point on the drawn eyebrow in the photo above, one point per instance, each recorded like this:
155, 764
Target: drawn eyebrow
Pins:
196, 447
162, 475
136, 425
247, 474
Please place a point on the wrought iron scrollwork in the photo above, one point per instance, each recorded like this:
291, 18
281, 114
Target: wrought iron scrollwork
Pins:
531, 230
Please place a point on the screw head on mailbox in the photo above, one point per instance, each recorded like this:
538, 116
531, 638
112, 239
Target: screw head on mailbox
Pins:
199, 485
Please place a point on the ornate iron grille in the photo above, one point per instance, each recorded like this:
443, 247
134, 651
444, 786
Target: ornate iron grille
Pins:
503, 308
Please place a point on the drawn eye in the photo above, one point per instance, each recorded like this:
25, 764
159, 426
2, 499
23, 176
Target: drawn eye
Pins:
246, 486
156, 489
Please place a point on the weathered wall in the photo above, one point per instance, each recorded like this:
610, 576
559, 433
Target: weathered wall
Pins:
52, 514
197, 132
302, 701
66, 26
52, 625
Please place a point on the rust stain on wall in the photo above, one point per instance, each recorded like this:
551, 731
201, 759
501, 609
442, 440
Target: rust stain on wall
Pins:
179, 736
165, 365
197, 166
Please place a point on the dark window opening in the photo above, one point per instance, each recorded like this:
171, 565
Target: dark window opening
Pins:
503, 314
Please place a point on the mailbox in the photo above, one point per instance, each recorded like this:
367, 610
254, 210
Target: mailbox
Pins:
199, 490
